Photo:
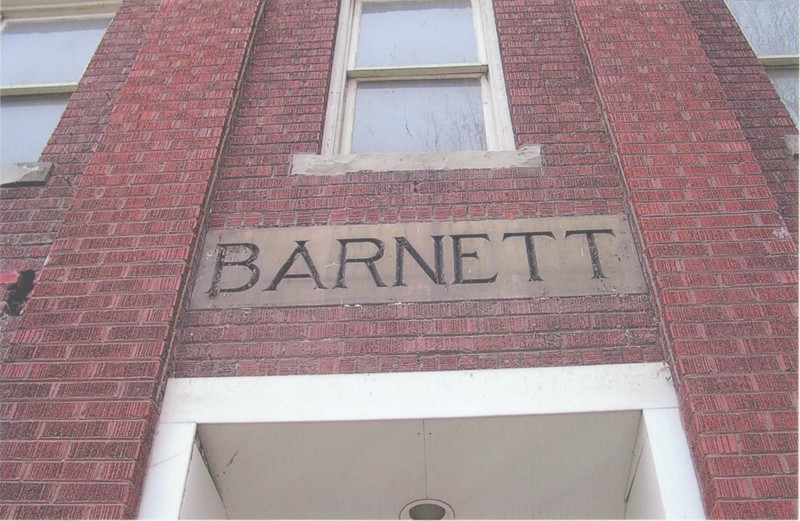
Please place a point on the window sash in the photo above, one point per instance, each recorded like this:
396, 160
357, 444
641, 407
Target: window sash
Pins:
350, 105
50, 9
341, 103
39, 88
419, 72
356, 31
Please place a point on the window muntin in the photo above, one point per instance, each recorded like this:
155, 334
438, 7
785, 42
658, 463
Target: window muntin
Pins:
771, 27
44, 49
417, 43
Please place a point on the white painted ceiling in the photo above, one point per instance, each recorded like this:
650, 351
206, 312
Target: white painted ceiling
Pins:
513, 467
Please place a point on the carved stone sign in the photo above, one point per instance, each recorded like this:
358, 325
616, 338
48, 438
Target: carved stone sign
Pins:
418, 262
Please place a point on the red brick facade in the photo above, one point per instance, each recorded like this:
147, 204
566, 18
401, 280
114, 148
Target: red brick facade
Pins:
186, 121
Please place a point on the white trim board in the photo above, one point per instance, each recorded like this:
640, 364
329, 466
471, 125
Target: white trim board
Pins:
447, 394
451, 394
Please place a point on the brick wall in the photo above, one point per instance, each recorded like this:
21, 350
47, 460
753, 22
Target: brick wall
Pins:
553, 102
30, 217
635, 117
762, 118
722, 260
40, 433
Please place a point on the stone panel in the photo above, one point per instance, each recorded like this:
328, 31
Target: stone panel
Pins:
418, 262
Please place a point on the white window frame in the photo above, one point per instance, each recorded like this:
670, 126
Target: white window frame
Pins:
345, 78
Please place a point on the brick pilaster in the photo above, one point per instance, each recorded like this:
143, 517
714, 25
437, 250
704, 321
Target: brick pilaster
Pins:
84, 374
763, 119
722, 259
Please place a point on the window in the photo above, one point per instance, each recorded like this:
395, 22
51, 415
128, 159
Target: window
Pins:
771, 27
417, 76
44, 49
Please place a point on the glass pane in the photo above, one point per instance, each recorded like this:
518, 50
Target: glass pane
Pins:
770, 25
416, 33
48, 52
786, 83
26, 123
418, 116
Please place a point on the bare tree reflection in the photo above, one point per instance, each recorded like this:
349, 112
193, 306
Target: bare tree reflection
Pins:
458, 127
419, 116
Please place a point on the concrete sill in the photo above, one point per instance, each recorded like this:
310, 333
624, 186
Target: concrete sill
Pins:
307, 164
25, 174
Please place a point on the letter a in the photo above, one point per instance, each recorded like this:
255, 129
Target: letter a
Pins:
312, 274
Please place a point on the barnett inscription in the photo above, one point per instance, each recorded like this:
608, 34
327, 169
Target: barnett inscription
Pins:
418, 262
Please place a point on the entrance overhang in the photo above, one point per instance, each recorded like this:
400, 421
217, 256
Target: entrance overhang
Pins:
569, 442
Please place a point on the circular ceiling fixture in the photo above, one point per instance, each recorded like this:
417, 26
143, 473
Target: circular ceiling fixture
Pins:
427, 509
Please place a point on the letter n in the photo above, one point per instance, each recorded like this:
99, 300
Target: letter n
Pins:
436, 274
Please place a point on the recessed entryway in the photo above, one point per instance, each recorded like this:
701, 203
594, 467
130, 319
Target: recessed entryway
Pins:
562, 443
